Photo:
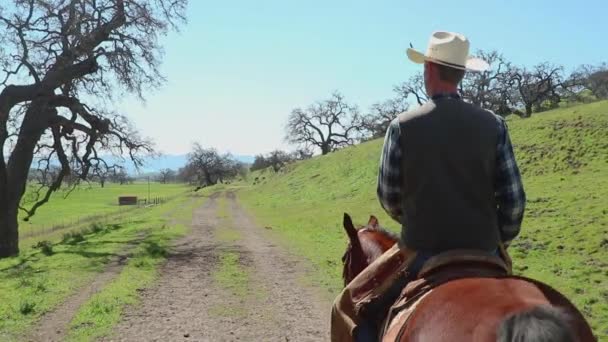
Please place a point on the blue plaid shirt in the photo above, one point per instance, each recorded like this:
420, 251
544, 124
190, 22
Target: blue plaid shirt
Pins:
509, 192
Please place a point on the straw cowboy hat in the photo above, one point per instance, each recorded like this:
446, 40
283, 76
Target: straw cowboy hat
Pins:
449, 49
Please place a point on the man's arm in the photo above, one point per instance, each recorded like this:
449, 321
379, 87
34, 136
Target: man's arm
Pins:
389, 174
509, 190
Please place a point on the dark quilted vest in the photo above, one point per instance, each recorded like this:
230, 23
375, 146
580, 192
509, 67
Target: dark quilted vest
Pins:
448, 161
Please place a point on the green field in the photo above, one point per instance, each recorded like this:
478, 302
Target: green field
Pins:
563, 155
42, 277
89, 200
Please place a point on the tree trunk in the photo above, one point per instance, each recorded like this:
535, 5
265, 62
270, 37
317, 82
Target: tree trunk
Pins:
35, 122
9, 233
528, 110
325, 149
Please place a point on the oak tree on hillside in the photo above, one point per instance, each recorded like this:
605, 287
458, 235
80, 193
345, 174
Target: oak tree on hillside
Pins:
535, 86
381, 114
62, 65
413, 87
595, 79
328, 124
491, 89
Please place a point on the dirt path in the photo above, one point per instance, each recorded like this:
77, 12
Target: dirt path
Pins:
204, 295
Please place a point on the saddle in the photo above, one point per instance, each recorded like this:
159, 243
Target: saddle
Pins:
440, 269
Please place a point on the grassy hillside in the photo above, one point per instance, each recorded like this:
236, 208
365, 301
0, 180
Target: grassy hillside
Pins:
563, 155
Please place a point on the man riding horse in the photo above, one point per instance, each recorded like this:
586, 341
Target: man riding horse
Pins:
448, 175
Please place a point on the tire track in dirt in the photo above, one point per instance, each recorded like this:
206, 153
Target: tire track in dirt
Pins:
54, 325
187, 304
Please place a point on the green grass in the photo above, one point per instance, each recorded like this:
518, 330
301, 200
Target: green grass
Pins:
563, 155
231, 275
225, 232
44, 275
86, 201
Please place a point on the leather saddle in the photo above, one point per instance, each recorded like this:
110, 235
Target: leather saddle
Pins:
438, 270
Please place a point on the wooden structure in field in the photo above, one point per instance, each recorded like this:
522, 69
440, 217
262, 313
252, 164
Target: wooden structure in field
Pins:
127, 200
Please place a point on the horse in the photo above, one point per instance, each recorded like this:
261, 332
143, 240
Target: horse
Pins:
505, 308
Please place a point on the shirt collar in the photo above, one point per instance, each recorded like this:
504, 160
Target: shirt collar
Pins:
454, 96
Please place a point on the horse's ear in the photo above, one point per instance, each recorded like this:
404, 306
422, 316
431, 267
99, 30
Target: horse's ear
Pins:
350, 228
373, 222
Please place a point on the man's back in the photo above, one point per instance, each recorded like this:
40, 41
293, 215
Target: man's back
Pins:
449, 153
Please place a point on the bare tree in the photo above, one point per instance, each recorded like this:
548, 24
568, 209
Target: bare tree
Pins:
414, 87
277, 159
120, 176
328, 124
54, 54
377, 121
187, 174
203, 162
597, 82
535, 86
490, 89
166, 175
594, 78
302, 153
259, 163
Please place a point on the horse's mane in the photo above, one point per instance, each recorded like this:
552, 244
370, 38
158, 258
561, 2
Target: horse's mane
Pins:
389, 234
371, 244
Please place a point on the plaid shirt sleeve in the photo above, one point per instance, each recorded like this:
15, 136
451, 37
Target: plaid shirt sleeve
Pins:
509, 190
389, 175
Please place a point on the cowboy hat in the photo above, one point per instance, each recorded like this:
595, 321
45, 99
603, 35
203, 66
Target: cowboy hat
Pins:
449, 49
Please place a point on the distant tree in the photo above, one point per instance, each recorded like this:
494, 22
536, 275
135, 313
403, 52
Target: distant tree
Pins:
328, 124
413, 87
227, 168
381, 114
277, 159
166, 176
209, 167
597, 82
204, 161
594, 78
120, 176
259, 163
187, 174
534, 87
302, 153
62, 65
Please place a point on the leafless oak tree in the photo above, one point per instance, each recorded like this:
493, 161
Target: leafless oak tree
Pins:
533, 87
166, 175
381, 114
414, 87
328, 124
209, 167
490, 89
62, 64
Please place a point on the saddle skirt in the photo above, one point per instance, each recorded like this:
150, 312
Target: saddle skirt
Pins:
440, 269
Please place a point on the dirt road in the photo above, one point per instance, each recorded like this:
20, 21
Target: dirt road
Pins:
226, 282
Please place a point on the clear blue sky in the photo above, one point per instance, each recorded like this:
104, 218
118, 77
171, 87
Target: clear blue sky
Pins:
238, 68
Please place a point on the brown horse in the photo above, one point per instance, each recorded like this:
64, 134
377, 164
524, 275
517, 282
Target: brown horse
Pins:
507, 308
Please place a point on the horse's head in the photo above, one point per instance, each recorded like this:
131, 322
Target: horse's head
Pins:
365, 245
